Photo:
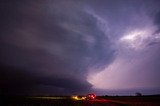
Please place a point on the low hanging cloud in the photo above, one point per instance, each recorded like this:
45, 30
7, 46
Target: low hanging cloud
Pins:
49, 45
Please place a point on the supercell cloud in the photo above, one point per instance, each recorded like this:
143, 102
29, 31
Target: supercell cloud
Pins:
67, 47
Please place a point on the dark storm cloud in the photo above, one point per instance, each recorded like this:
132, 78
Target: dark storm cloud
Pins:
157, 21
55, 46
49, 43
19, 81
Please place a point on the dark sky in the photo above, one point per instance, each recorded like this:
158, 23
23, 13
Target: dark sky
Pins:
62, 47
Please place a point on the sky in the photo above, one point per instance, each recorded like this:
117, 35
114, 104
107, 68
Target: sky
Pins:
65, 47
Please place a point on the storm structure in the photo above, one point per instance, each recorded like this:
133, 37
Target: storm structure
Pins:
64, 47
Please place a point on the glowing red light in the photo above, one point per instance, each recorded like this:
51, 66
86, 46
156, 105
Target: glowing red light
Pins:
90, 96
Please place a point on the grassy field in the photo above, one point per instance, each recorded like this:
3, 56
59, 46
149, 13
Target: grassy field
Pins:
67, 101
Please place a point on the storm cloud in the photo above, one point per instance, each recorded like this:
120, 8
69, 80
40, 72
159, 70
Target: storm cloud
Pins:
52, 43
67, 47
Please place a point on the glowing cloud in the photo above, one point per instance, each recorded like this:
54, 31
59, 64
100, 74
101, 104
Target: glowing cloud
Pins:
136, 39
132, 36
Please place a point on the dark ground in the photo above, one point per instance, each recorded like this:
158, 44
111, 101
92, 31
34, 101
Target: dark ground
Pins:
99, 101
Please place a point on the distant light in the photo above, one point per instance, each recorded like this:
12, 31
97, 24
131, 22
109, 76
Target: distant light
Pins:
84, 98
78, 98
90, 96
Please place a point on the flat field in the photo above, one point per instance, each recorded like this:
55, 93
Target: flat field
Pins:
68, 101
